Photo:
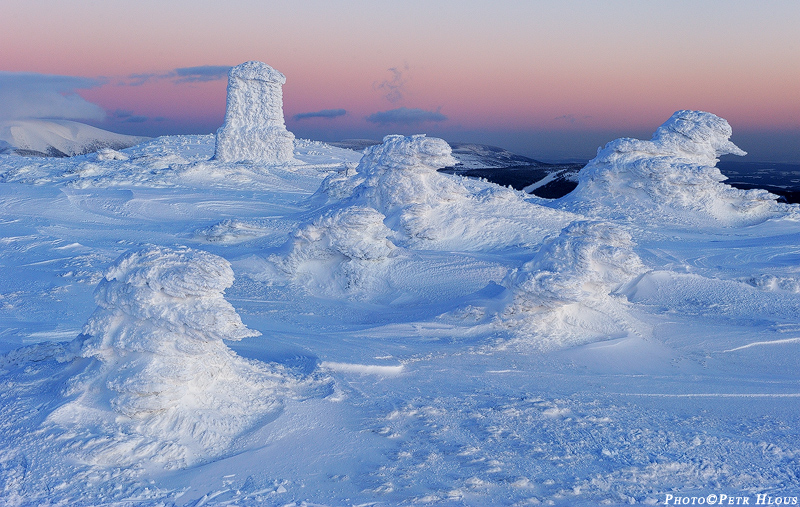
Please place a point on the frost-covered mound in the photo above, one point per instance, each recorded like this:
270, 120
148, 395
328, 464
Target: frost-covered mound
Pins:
160, 385
564, 295
58, 138
338, 252
671, 178
254, 128
427, 209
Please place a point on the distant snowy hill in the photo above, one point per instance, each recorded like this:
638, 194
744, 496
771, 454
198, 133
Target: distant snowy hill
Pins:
58, 138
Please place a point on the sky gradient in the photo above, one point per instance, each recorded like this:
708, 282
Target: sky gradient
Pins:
552, 80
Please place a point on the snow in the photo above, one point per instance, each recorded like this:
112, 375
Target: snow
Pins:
160, 385
672, 178
60, 138
429, 210
564, 295
254, 129
364, 330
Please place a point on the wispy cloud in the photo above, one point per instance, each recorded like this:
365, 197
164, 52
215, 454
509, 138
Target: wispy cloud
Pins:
406, 116
125, 116
570, 118
201, 73
198, 74
31, 95
395, 88
325, 113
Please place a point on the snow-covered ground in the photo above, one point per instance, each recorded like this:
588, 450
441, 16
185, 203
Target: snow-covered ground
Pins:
347, 330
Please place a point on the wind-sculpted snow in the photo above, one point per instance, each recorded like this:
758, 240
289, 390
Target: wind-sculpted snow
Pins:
160, 384
254, 128
339, 252
563, 296
427, 209
672, 178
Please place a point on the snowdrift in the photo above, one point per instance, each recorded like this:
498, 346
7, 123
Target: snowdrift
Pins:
565, 295
159, 384
672, 178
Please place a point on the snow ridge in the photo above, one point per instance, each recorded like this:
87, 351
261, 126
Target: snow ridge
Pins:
58, 138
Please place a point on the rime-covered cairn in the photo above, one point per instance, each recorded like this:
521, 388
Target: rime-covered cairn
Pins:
254, 130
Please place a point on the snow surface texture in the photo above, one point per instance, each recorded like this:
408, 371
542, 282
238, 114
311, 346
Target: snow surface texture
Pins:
427, 209
161, 385
671, 178
496, 349
254, 129
563, 296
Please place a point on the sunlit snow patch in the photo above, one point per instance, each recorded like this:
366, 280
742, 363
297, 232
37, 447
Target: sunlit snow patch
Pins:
672, 178
563, 296
160, 385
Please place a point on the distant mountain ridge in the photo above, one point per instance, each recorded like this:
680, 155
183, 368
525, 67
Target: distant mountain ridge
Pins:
58, 138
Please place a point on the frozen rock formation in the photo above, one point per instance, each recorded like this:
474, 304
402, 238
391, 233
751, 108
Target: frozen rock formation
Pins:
338, 252
402, 171
254, 129
673, 177
563, 295
159, 384
428, 209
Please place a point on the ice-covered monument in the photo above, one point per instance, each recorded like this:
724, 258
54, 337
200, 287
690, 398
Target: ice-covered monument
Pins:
254, 129
155, 380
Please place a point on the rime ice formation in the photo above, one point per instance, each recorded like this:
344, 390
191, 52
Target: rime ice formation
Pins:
160, 384
338, 250
672, 177
425, 208
402, 171
563, 295
254, 129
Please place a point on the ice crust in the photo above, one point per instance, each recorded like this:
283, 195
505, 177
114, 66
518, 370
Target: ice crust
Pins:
671, 178
254, 128
160, 384
564, 295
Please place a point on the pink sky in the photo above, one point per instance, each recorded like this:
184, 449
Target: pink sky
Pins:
526, 68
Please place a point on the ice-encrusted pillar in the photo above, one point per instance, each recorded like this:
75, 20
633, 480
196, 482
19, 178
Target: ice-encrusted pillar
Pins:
254, 130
